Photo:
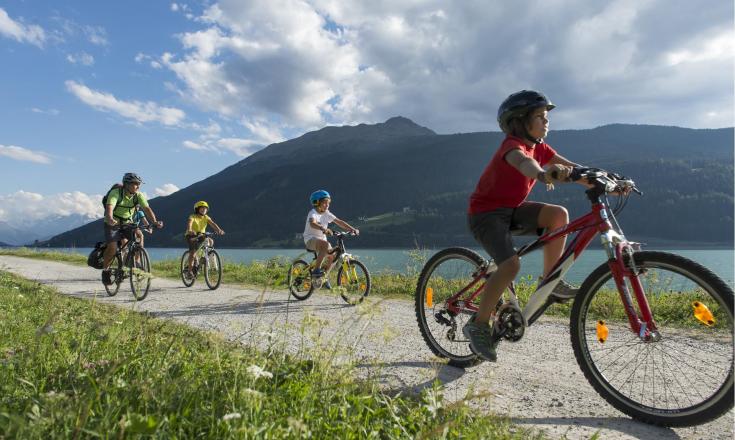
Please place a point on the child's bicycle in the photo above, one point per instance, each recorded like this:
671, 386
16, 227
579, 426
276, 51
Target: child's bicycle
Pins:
353, 278
130, 261
652, 331
206, 260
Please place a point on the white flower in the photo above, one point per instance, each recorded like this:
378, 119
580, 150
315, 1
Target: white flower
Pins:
252, 393
258, 372
231, 416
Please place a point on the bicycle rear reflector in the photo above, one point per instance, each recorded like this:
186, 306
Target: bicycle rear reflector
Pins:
602, 331
702, 313
430, 297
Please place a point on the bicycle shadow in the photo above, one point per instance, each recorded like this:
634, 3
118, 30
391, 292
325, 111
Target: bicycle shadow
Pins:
269, 307
616, 425
442, 372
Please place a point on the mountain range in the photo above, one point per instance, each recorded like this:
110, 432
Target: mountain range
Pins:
404, 185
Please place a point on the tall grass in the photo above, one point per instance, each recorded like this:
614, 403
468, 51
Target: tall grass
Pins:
72, 368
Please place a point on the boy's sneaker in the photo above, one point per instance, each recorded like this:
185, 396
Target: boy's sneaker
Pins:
481, 339
327, 285
316, 273
106, 277
564, 291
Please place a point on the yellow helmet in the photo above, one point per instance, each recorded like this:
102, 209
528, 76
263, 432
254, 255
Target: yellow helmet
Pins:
199, 204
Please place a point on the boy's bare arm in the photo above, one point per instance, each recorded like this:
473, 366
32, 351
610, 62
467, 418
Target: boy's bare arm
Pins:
215, 226
344, 225
558, 159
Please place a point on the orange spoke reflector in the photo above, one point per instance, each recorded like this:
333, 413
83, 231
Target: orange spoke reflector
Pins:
602, 331
430, 297
362, 286
702, 313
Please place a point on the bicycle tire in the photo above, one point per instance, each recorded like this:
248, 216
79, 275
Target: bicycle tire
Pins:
299, 280
362, 283
116, 272
212, 266
184, 270
140, 273
433, 331
678, 345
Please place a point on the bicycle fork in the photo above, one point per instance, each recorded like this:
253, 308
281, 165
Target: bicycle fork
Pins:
642, 324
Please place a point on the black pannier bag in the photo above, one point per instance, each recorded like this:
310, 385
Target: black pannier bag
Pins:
95, 258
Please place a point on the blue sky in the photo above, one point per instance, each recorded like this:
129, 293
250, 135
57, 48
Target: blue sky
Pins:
177, 91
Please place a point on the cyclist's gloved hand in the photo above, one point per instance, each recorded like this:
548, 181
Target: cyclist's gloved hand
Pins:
356, 231
159, 224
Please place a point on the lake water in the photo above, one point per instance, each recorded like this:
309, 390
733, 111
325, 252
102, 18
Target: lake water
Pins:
720, 261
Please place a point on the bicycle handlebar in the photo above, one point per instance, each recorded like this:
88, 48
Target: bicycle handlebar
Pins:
610, 182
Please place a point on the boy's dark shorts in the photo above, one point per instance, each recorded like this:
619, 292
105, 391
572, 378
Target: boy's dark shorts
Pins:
493, 229
194, 241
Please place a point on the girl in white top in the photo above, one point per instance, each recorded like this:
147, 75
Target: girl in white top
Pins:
317, 229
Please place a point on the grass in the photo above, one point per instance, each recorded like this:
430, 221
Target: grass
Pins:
72, 368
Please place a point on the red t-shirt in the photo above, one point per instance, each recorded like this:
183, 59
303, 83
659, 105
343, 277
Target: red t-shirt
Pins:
501, 185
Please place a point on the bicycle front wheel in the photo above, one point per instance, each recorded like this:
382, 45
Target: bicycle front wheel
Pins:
186, 275
444, 275
140, 273
354, 280
299, 280
212, 270
682, 378
116, 272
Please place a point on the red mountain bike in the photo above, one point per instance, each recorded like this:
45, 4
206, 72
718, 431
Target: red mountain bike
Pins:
652, 331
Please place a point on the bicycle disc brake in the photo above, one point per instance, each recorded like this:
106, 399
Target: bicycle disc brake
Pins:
510, 322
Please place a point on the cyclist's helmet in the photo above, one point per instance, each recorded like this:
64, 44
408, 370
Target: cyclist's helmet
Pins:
131, 178
316, 196
519, 104
199, 204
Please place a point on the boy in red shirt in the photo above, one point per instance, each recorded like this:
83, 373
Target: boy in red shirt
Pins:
499, 204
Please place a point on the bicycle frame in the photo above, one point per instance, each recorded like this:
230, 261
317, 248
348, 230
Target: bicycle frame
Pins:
340, 257
597, 221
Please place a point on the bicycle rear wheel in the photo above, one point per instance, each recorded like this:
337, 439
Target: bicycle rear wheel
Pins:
682, 379
354, 282
299, 280
445, 274
187, 277
212, 269
140, 273
116, 274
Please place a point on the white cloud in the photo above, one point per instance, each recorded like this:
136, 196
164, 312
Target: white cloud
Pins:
140, 112
449, 65
96, 35
25, 207
24, 154
166, 189
51, 111
81, 58
20, 32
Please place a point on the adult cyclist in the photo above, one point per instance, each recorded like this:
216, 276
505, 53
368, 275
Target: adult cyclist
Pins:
120, 206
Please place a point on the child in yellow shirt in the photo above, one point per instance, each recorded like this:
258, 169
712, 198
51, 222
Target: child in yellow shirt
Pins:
195, 228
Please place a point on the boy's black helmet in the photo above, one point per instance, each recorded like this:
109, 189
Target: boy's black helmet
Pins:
520, 104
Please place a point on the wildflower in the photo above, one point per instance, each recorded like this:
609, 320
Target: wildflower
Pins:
258, 372
433, 401
251, 393
231, 416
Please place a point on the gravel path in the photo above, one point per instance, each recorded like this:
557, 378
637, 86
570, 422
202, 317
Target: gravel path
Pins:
536, 381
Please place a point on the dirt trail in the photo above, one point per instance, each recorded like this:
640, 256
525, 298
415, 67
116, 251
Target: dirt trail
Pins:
536, 382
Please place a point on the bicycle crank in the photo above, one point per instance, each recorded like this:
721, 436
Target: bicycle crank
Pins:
510, 323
